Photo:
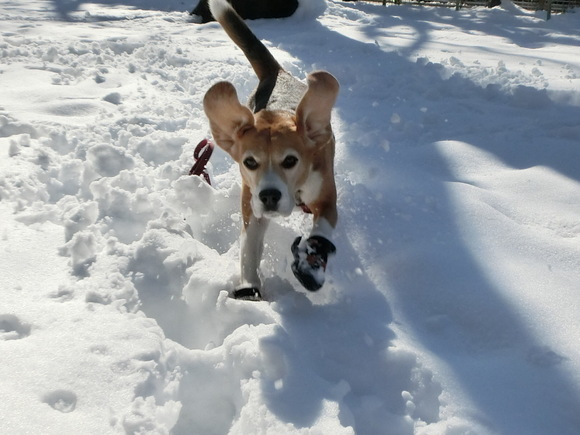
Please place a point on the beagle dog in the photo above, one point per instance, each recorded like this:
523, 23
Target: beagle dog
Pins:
283, 142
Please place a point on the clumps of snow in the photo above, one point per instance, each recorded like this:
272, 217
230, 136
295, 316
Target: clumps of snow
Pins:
11, 127
11, 328
530, 98
456, 261
113, 97
309, 10
108, 160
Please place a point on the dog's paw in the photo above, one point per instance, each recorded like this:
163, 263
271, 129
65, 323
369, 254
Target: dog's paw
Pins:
310, 258
248, 294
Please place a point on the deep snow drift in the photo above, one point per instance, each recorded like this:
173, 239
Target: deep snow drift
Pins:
451, 307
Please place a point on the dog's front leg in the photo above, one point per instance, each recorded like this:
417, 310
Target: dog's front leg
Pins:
252, 246
311, 255
251, 249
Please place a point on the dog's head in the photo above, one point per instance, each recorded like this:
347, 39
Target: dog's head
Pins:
276, 150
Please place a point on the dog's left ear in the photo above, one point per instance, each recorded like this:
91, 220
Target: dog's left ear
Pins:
313, 112
228, 118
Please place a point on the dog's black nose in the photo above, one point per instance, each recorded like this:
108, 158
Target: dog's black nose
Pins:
270, 198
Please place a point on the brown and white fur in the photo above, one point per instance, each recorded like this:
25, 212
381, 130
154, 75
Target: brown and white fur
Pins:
283, 143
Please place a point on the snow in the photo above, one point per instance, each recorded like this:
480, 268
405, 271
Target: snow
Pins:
452, 304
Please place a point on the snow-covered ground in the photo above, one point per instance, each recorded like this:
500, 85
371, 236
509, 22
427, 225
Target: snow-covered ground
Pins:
452, 306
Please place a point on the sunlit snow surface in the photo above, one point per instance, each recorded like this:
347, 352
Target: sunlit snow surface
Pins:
452, 304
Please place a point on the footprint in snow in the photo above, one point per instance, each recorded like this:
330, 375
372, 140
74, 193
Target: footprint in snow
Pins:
543, 356
61, 400
11, 328
100, 349
63, 294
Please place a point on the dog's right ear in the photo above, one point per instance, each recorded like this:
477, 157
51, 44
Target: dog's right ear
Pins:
228, 118
313, 112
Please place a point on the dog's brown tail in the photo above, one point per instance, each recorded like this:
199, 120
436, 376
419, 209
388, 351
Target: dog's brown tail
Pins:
260, 58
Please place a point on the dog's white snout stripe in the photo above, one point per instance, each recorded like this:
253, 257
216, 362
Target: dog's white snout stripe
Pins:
272, 195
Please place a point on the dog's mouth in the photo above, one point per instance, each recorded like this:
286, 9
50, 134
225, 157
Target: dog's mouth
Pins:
268, 213
276, 212
271, 213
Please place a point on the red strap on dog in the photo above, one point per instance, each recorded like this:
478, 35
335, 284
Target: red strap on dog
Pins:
202, 153
304, 208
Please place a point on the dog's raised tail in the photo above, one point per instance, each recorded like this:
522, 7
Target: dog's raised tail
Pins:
260, 58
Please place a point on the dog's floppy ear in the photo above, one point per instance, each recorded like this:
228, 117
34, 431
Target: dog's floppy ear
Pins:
313, 112
227, 117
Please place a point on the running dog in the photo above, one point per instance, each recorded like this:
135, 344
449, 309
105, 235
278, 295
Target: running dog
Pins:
284, 145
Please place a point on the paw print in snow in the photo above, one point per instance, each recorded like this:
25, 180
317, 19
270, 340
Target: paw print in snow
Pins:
11, 328
61, 400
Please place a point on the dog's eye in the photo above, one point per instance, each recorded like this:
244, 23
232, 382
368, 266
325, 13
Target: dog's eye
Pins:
251, 163
289, 162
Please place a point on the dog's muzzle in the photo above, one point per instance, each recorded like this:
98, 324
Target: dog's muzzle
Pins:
270, 199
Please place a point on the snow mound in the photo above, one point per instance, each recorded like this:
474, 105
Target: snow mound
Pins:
451, 306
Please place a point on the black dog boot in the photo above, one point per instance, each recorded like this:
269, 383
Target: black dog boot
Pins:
248, 294
310, 257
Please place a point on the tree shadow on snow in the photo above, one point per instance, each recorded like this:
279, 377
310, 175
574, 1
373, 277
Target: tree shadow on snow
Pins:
476, 21
400, 228
67, 7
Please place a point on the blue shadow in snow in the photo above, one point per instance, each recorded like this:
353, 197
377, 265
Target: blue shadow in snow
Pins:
454, 310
